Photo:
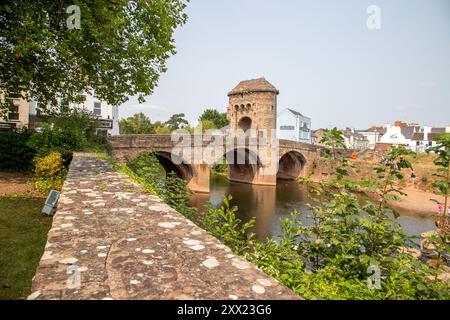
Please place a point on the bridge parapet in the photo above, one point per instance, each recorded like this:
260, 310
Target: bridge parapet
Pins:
197, 154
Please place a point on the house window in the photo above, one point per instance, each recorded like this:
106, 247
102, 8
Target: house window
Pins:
63, 105
287, 128
98, 108
13, 113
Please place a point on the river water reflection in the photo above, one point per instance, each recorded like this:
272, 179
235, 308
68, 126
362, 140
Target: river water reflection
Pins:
268, 204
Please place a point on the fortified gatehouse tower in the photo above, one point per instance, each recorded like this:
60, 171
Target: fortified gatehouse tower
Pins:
253, 106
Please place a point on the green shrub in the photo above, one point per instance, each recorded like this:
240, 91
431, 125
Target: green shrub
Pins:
227, 227
74, 130
221, 169
173, 190
15, 153
49, 172
147, 167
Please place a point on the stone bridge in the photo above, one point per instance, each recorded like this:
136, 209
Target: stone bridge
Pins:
292, 159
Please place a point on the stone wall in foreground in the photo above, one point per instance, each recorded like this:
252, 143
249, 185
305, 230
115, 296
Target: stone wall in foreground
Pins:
111, 240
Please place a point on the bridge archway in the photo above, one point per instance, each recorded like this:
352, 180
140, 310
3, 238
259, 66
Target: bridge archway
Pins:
182, 170
243, 165
291, 165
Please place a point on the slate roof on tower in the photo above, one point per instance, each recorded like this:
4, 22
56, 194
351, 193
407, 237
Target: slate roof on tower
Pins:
254, 85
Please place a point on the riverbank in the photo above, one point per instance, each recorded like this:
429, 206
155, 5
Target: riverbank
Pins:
417, 203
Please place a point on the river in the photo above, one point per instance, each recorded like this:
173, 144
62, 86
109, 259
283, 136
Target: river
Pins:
268, 204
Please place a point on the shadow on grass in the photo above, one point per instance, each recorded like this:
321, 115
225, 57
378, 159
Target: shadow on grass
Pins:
23, 234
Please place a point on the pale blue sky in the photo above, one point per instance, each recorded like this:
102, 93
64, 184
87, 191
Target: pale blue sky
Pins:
319, 54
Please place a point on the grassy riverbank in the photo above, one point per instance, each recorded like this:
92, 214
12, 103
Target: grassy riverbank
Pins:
417, 198
23, 234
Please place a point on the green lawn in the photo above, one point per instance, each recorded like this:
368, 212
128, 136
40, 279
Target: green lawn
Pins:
23, 234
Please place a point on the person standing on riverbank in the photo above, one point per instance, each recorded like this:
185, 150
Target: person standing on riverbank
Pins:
413, 178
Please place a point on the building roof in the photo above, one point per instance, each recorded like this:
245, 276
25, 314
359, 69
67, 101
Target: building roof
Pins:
318, 131
408, 131
431, 136
377, 129
437, 130
349, 133
254, 85
418, 136
295, 113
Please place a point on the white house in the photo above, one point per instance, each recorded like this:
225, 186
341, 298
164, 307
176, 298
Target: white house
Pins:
292, 125
413, 137
399, 135
107, 114
373, 135
424, 138
354, 140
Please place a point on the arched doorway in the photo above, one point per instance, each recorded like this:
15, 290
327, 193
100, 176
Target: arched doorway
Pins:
245, 124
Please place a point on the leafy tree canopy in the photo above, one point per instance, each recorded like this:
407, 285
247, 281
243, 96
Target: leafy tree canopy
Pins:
217, 118
119, 50
177, 121
137, 124
206, 125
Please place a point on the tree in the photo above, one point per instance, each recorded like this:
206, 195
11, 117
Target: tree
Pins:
119, 49
219, 119
176, 122
442, 149
206, 125
137, 124
65, 132
162, 129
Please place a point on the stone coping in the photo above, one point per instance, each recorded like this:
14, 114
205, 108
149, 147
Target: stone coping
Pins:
112, 240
